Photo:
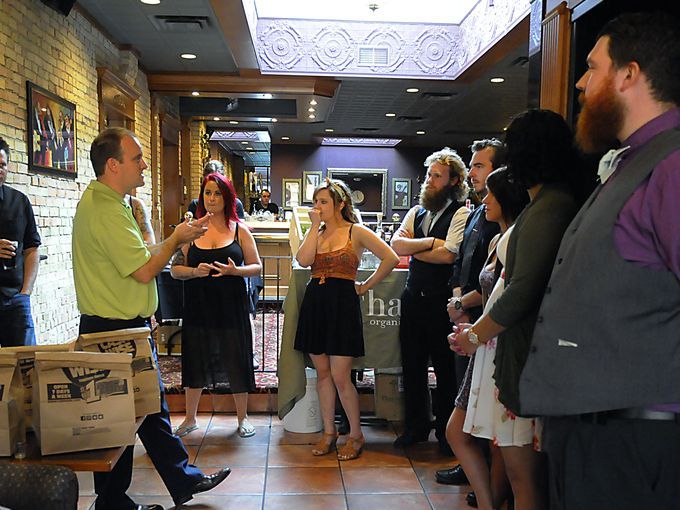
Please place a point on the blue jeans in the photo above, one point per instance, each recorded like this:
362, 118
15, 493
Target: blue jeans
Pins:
16, 320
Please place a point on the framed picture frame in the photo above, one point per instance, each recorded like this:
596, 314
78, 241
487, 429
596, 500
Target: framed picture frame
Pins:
291, 192
401, 193
310, 181
52, 128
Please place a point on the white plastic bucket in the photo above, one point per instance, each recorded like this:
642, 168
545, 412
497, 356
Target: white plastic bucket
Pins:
305, 417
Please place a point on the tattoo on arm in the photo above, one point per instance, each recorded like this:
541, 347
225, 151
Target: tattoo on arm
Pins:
178, 259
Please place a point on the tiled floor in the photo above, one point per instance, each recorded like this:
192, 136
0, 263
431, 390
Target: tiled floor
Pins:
275, 470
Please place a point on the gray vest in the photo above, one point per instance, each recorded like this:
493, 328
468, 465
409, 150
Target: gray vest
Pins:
608, 331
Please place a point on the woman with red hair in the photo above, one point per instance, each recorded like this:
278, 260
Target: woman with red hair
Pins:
217, 348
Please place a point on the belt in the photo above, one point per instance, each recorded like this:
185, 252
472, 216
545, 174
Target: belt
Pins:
633, 413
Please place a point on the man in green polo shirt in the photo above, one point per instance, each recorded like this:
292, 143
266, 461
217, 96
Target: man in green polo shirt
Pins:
114, 274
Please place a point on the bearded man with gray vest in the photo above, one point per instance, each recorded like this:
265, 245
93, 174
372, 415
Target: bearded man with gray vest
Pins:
604, 364
431, 234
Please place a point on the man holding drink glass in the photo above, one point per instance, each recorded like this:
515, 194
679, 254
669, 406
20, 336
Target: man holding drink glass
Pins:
19, 258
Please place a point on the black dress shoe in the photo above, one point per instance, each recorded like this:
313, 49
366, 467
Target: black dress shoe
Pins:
471, 499
409, 438
452, 476
207, 483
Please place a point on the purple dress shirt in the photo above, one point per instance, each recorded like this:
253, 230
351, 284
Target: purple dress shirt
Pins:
647, 231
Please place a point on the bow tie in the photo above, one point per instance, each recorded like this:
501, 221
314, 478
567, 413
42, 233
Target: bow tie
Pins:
609, 162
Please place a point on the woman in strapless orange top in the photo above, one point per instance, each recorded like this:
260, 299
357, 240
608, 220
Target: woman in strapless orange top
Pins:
329, 325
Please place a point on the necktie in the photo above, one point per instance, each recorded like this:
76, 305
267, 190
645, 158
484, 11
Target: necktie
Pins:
609, 162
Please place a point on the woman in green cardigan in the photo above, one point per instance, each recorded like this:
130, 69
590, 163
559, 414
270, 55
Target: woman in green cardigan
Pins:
541, 156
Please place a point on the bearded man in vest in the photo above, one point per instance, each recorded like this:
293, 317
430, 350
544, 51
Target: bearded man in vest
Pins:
604, 366
431, 234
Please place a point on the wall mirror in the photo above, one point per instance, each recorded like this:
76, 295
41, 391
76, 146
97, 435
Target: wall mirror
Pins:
368, 187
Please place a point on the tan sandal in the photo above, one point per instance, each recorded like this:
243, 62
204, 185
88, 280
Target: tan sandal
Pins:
325, 444
351, 449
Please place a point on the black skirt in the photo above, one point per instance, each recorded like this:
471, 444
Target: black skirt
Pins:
330, 319
217, 343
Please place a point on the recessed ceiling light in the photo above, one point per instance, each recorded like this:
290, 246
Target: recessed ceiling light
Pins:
312, 116
313, 102
244, 143
250, 148
420, 132
216, 118
274, 119
329, 130
311, 110
188, 56
413, 90
390, 115
285, 138
498, 79
266, 96
233, 122
150, 2
195, 93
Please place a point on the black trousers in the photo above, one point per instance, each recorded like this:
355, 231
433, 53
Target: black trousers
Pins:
166, 450
424, 327
621, 463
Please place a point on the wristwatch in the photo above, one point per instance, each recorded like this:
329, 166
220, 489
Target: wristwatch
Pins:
458, 304
472, 336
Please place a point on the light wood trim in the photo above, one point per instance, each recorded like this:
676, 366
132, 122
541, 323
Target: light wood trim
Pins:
105, 74
555, 55
184, 83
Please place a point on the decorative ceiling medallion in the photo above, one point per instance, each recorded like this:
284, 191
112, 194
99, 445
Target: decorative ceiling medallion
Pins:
280, 46
434, 51
333, 48
360, 142
399, 50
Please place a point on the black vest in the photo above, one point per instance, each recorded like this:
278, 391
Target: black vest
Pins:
423, 277
608, 331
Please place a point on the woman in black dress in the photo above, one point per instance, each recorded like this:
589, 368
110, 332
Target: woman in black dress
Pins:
217, 349
330, 327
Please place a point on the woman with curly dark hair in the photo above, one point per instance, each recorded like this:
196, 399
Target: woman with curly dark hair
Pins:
542, 157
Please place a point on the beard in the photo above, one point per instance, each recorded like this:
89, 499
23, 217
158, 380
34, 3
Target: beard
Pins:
600, 119
433, 200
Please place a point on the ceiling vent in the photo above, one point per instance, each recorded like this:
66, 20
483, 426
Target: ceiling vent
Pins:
410, 118
438, 96
520, 62
181, 24
373, 56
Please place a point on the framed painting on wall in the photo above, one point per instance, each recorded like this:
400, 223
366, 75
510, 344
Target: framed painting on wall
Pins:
51, 132
310, 180
401, 193
291, 192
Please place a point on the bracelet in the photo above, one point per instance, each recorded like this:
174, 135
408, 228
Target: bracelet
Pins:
433, 240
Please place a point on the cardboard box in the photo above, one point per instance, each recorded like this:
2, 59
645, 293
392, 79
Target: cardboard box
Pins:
82, 401
134, 341
26, 358
389, 396
12, 424
170, 337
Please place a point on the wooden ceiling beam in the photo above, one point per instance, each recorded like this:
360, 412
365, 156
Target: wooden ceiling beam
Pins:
249, 81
